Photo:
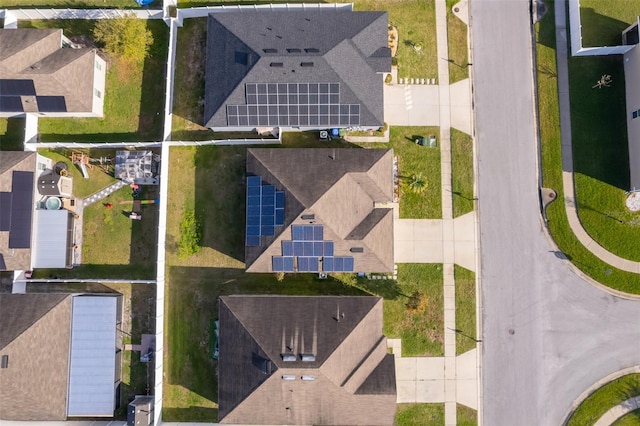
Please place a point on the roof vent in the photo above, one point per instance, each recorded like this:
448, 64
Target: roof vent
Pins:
306, 64
288, 357
294, 50
5, 361
312, 50
308, 357
266, 366
276, 64
357, 250
270, 50
308, 378
288, 377
308, 217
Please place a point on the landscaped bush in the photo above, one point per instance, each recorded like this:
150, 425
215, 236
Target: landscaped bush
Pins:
127, 38
190, 235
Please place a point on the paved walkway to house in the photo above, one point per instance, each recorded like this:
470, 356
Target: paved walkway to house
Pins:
422, 379
567, 154
618, 411
422, 240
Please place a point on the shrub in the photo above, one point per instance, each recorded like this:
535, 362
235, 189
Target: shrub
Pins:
388, 79
190, 235
417, 302
345, 278
126, 38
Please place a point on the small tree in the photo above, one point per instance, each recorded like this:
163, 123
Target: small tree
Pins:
417, 302
127, 37
417, 183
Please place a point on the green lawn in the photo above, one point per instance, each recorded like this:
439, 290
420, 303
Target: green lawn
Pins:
465, 309
11, 134
134, 101
420, 414
416, 159
415, 21
77, 4
552, 166
462, 172
422, 332
605, 398
457, 46
466, 416
629, 419
603, 21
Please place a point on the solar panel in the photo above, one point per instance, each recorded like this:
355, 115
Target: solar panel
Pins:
253, 220
277, 264
253, 211
318, 232
253, 201
308, 233
298, 248
327, 264
337, 264
307, 248
280, 199
51, 104
279, 217
297, 232
5, 211
268, 210
288, 264
11, 104
21, 209
267, 220
328, 248
253, 191
254, 180
253, 230
12, 87
303, 264
348, 266
318, 248
287, 248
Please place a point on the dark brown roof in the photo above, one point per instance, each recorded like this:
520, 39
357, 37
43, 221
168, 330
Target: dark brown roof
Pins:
35, 336
345, 189
353, 378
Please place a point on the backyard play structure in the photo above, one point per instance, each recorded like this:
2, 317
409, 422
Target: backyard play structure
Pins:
84, 161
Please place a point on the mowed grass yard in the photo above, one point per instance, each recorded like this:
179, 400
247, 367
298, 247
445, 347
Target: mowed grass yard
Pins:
419, 160
603, 21
420, 414
134, 93
457, 45
605, 398
551, 154
11, 134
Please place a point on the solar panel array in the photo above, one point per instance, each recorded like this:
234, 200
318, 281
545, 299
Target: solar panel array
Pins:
265, 210
21, 210
307, 251
293, 104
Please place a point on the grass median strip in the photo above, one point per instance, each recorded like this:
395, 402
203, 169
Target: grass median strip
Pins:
551, 153
605, 398
419, 414
462, 172
465, 309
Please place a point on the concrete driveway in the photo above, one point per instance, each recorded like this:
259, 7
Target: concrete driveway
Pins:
421, 240
411, 105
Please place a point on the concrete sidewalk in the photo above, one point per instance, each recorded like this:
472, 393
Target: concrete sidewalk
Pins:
567, 154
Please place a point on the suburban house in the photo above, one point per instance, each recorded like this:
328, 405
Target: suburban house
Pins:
319, 210
304, 360
632, 87
303, 69
628, 48
35, 231
60, 355
45, 74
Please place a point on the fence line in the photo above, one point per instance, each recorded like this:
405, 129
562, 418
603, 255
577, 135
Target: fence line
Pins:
170, 77
53, 145
199, 12
223, 142
69, 13
94, 280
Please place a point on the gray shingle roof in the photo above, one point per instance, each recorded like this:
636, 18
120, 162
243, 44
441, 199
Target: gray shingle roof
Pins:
351, 369
346, 47
340, 187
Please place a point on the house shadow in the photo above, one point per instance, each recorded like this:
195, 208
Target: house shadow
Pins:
12, 139
600, 30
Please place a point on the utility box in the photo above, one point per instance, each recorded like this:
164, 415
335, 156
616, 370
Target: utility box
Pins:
430, 142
